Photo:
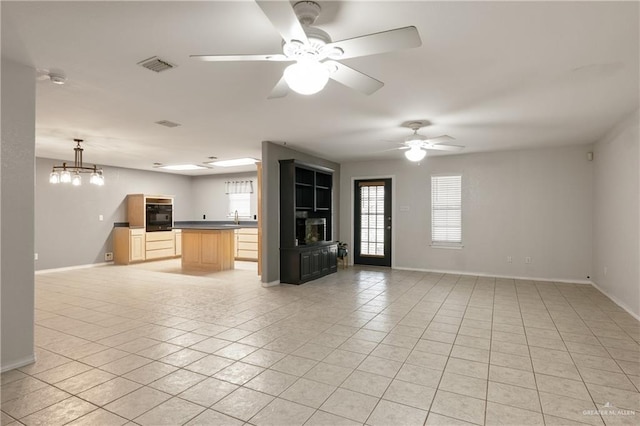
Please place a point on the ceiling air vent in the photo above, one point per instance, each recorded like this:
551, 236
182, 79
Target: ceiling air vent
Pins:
156, 64
167, 123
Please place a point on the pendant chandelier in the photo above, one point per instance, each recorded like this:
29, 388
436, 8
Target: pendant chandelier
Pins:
71, 174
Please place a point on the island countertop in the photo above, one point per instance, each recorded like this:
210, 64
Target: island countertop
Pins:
209, 227
213, 224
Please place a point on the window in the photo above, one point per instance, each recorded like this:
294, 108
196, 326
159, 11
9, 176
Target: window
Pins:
240, 203
446, 210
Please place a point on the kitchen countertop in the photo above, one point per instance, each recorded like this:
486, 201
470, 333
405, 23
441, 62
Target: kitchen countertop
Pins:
213, 224
197, 224
209, 227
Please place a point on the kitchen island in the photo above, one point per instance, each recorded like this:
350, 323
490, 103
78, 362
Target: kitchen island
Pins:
208, 247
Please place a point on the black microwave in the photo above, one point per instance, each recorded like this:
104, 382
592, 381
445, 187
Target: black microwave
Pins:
159, 217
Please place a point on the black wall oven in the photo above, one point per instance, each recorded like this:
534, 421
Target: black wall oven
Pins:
159, 217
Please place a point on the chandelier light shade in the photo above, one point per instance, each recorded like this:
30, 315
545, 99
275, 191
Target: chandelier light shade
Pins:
65, 176
415, 153
306, 76
54, 177
72, 173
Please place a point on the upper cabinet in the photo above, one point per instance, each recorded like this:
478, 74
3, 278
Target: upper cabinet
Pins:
153, 212
306, 193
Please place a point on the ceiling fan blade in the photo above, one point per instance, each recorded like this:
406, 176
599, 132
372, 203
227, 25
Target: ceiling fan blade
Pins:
394, 149
444, 147
439, 139
386, 41
280, 90
222, 58
284, 19
354, 79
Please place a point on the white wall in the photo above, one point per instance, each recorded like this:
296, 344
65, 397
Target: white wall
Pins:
209, 198
67, 229
617, 214
534, 203
16, 240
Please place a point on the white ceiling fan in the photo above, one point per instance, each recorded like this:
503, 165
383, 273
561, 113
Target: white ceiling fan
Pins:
315, 54
417, 145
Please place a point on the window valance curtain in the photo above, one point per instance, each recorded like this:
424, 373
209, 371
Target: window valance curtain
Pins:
238, 187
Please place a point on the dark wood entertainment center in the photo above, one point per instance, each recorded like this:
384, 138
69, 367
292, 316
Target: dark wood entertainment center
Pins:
306, 196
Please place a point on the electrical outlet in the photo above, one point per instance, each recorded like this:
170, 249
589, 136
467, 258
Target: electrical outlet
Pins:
509, 259
527, 259
108, 256
35, 256
100, 218
204, 216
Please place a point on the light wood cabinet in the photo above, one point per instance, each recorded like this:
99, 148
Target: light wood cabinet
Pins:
246, 244
134, 244
177, 233
136, 210
160, 244
136, 207
137, 245
208, 249
129, 245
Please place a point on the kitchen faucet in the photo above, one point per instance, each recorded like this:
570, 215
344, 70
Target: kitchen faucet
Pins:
236, 218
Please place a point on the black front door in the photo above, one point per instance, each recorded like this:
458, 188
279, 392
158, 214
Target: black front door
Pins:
372, 222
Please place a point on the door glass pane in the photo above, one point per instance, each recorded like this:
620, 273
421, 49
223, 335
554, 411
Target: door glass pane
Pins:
372, 220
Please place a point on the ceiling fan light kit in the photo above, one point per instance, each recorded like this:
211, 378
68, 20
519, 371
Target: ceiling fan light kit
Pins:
72, 174
314, 53
415, 153
417, 145
306, 77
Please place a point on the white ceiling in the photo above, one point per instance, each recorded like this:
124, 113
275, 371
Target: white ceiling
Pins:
494, 75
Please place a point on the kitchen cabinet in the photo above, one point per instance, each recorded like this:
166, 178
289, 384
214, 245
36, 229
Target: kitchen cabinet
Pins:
129, 245
246, 244
159, 245
208, 249
178, 241
132, 245
137, 205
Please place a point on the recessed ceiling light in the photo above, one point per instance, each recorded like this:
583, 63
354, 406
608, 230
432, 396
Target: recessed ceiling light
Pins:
183, 167
232, 163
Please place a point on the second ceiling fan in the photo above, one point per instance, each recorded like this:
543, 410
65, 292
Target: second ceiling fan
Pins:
315, 54
416, 145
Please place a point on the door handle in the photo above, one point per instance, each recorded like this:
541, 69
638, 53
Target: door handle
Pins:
389, 227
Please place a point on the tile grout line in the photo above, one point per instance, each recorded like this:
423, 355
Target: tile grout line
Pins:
533, 371
572, 359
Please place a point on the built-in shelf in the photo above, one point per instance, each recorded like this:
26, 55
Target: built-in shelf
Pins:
305, 195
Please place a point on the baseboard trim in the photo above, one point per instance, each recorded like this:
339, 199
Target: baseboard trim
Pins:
271, 284
484, 274
71, 268
616, 301
19, 363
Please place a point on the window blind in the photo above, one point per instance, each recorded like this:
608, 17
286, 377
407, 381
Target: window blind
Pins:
372, 218
240, 203
446, 209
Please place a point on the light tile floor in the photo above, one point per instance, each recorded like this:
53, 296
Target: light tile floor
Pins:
151, 346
